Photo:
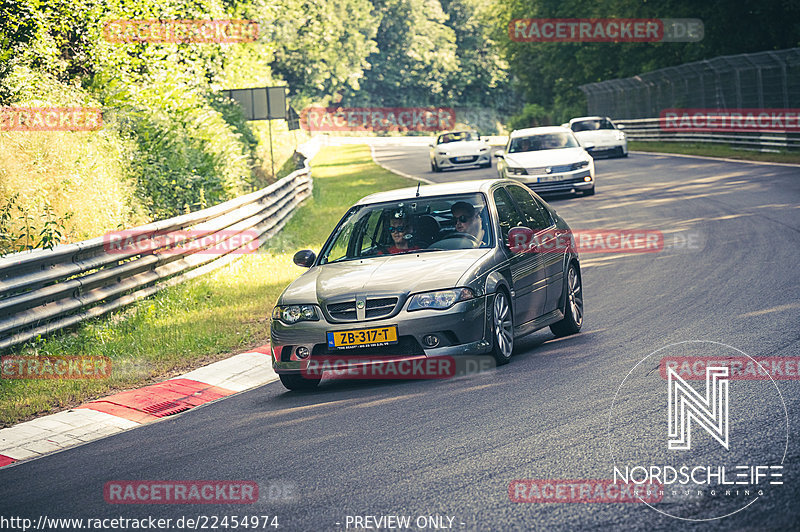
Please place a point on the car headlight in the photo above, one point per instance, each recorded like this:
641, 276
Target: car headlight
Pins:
516, 171
579, 165
441, 299
290, 314
441, 153
620, 135
484, 149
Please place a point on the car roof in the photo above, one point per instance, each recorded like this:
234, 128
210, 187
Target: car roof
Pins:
589, 118
537, 131
427, 191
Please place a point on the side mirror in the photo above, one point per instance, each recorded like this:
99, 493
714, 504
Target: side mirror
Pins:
499, 154
305, 258
430, 145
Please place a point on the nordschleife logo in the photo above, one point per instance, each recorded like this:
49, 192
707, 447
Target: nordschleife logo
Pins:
723, 447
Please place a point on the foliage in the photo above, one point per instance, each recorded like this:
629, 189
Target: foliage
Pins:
23, 228
323, 46
414, 59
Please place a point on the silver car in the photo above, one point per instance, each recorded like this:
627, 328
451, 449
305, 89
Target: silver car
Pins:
599, 136
457, 149
547, 159
442, 270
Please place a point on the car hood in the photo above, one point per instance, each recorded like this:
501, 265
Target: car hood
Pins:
470, 146
599, 135
386, 275
534, 159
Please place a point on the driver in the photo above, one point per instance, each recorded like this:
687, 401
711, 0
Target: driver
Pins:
467, 219
401, 231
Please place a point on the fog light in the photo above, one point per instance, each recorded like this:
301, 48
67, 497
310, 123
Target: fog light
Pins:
430, 340
302, 352
587, 178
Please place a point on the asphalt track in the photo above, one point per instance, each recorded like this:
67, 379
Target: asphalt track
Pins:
451, 448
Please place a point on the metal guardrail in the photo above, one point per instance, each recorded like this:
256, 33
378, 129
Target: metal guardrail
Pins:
43, 291
653, 129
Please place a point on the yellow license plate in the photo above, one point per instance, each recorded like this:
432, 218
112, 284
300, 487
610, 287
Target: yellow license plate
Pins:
374, 337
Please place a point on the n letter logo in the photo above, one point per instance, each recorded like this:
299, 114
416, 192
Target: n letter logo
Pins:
685, 405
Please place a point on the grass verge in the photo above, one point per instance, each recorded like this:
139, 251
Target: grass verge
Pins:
715, 150
205, 319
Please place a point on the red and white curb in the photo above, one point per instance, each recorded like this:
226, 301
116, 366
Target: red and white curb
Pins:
126, 410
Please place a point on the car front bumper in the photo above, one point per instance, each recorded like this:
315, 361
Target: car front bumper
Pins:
463, 329
619, 149
565, 182
467, 159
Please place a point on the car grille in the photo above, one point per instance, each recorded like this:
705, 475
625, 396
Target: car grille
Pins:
542, 170
405, 346
464, 160
608, 150
380, 307
375, 308
343, 311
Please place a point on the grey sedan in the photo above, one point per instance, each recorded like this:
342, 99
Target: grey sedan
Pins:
442, 270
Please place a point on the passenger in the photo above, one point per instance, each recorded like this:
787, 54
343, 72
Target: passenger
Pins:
401, 231
468, 220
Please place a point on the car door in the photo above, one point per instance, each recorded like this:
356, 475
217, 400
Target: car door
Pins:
538, 218
527, 272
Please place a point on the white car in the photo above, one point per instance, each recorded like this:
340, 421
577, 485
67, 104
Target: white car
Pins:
456, 149
600, 136
547, 159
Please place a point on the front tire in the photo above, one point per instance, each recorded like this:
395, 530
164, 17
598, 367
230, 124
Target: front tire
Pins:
573, 314
589, 192
435, 167
502, 328
298, 382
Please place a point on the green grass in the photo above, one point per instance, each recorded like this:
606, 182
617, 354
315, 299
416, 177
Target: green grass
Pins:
207, 319
715, 150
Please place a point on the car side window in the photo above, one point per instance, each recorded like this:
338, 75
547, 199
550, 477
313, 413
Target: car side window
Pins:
545, 212
507, 214
371, 234
535, 218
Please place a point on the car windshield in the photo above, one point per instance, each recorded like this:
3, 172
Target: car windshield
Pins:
411, 226
592, 125
458, 136
547, 141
